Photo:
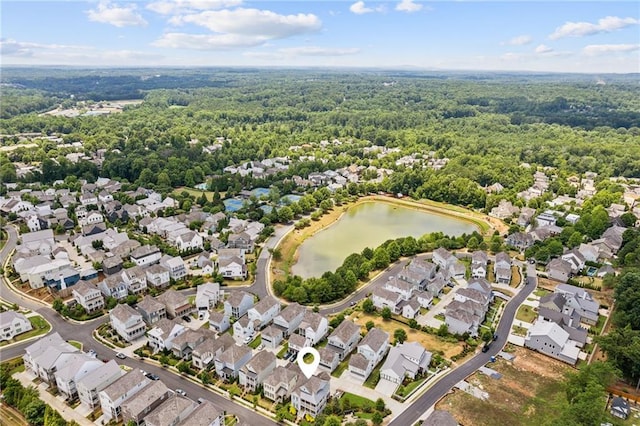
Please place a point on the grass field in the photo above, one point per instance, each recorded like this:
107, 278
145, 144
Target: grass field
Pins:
526, 314
11, 417
526, 394
197, 193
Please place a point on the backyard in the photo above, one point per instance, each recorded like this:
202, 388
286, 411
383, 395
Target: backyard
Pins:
526, 313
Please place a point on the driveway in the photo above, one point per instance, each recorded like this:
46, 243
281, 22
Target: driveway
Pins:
386, 387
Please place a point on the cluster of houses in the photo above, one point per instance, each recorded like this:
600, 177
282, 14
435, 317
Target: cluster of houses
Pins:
560, 330
124, 396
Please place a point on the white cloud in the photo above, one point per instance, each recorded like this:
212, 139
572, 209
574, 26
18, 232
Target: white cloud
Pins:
119, 16
519, 40
543, 49
207, 41
604, 49
604, 25
168, 7
253, 23
11, 47
408, 6
360, 9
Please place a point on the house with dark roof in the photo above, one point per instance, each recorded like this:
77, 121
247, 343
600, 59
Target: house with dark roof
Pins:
253, 373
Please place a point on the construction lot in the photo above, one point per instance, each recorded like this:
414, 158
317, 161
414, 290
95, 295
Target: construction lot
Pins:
526, 393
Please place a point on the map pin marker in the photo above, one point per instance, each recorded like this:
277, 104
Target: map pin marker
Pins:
308, 369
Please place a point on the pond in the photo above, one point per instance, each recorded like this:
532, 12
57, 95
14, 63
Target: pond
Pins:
369, 225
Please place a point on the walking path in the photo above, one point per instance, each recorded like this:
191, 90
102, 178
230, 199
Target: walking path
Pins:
56, 402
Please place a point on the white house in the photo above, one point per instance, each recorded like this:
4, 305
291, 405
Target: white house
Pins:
175, 265
253, 373
207, 296
290, 318
310, 397
127, 322
264, 311
344, 338
218, 321
371, 350
238, 304
189, 241
91, 384
401, 287
229, 362
405, 360
162, 334
313, 327
550, 339
112, 397
75, 369
146, 255
13, 323
232, 267
43, 357
383, 298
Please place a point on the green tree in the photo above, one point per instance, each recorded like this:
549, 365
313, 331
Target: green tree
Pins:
622, 346
381, 258
332, 421
386, 313
369, 325
380, 405
377, 418
628, 219
285, 214
627, 295
367, 306
58, 305
400, 335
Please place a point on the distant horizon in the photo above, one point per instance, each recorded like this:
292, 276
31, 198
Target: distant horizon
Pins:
575, 37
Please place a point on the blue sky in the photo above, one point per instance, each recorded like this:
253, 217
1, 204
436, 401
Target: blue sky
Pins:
569, 36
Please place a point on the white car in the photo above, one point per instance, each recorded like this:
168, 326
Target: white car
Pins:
247, 339
120, 355
181, 392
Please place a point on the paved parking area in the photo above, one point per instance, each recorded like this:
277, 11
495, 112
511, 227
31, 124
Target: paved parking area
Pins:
386, 387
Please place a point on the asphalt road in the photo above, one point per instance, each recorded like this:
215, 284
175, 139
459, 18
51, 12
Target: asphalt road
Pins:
83, 333
414, 411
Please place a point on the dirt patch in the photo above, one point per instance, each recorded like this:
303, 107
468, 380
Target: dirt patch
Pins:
525, 395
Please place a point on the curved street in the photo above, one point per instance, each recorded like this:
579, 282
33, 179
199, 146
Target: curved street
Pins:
83, 332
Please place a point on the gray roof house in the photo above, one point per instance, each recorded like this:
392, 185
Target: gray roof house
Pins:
171, 412
144, 402
559, 270
229, 362
204, 354
344, 338
112, 397
41, 357
280, 383
92, 383
371, 350
550, 339
238, 304
151, 310
311, 396
253, 373
405, 360
272, 336
205, 414
219, 321
289, 318
264, 311
176, 304
581, 301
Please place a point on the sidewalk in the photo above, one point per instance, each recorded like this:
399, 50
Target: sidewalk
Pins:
55, 402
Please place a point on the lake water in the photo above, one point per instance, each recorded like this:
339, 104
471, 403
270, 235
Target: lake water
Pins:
369, 225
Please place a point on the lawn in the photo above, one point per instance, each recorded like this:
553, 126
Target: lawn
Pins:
75, 343
519, 331
540, 292
341, 367
404, 391
515, 276
526, 314
356, 401
283, 351
429, 341
40, 327
256, 342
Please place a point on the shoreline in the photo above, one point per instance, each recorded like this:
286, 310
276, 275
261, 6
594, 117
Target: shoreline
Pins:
292, 242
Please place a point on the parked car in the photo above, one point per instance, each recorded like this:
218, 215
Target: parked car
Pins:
261, 347
247, 339
181, 392
92, 353
486, 347
186, 318
120, 355
152, 376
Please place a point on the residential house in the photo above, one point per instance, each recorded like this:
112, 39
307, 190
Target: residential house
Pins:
550, 339
176, 304
113, 286
264, 311
589, 252
238, 304
241, 241
502, 268
406, 360
443, 258
135, 279
157, 276
581, 301
229, 362
457, 270
245, 328
67, 376
546, 219
435, 286
136, 408
383, 298
183, 345
151, 310
410, 308
189, 241
279, 384
112, 397
519, 240
40, 357
403, 288
207, 296
205, 414
203, 355
91, 384
272, 336
526, 214
423, 267
371, 349
313, 327
310, 397
172, 412
127, 322
329, 359
161, 335
575, 259
12, 324
289, 318
232, 267
344, 338
253, 373
559, 270
479, 261
414, 278
88, 296
218, 321
146, 255
112, 265
175, 265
